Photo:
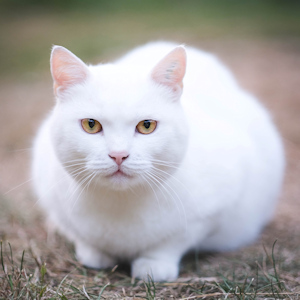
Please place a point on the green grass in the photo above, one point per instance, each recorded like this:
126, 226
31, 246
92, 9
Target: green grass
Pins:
37, 281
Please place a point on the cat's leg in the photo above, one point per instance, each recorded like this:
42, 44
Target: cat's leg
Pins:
92, 257
161, 264
162, 261
159, 269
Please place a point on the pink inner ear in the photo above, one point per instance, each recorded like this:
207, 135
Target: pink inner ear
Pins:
66, 68
171, 69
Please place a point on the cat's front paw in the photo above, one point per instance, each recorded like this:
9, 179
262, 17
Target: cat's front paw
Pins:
93, 258
158, 270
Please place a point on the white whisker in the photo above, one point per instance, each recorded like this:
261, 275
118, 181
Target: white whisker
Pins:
171, 190
174, 178
20, 150
155, 194
85, 180
74, 165
163, 161
73, 160
75, 175
16, 187
158, 185
56, 183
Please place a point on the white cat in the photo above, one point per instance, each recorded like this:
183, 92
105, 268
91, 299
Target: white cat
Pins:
141, 162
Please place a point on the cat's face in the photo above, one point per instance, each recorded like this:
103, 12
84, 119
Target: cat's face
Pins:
119, 128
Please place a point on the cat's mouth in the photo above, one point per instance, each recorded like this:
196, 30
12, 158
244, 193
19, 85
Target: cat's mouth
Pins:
119, 173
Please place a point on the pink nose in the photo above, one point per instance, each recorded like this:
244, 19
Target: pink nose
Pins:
118, 157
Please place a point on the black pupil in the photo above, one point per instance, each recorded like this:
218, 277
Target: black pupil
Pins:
147, 124
91, 123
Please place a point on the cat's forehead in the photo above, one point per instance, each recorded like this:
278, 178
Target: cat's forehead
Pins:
115, 86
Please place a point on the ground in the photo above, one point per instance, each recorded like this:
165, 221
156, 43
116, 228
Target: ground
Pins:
267, 67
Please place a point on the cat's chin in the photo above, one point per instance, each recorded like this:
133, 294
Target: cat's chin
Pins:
120, 180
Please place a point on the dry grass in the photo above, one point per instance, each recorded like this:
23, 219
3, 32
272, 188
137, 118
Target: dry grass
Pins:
27, 277
269, 68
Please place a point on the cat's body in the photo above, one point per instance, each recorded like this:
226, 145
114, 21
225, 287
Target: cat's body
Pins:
207, 177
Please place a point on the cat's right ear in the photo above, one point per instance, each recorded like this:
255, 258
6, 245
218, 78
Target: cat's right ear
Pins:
66, 69
171, 69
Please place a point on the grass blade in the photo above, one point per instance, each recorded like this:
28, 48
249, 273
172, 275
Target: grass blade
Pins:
275, 270
102, 290
2, 261
22, 261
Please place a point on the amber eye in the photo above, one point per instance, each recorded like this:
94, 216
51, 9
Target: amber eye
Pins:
146, 126
91, 125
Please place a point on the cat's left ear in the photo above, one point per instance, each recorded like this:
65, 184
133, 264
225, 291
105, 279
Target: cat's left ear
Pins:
171, 69
66, 69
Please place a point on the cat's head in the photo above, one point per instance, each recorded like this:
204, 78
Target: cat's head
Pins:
119, 125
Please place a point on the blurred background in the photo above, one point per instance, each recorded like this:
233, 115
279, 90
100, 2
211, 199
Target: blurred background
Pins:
258, 40
101, 29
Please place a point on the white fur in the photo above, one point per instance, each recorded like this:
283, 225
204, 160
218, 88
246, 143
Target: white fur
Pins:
216, 187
